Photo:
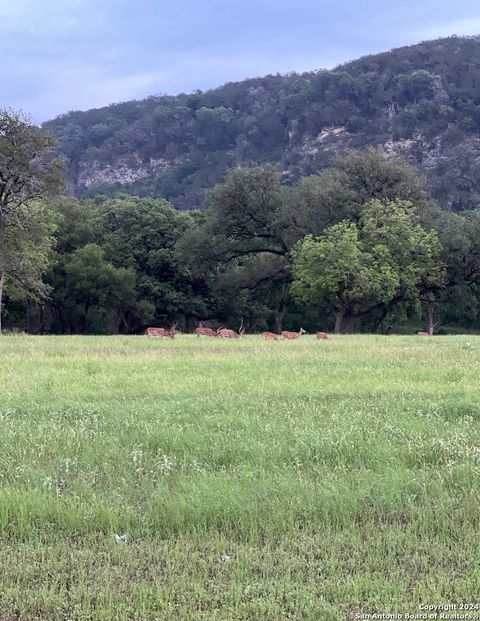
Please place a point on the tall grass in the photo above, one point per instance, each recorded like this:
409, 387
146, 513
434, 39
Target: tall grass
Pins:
339, 477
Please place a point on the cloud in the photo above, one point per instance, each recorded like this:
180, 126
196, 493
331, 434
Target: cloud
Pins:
89, 88
79, 86
47, 17
76, 54
14, 10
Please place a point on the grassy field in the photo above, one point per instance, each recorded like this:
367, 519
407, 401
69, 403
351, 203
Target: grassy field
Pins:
255, 480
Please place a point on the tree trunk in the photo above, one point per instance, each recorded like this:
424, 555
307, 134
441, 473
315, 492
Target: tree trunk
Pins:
42, 320
430, 312
279, 315
2, 282
344, 322
60, 318
378, 322
84, 321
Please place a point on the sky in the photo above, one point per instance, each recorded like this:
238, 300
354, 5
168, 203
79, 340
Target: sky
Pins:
62, 55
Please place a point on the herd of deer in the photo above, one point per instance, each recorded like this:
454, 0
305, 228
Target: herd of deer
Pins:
231, 334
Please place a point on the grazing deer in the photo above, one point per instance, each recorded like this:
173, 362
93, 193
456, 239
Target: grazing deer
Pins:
322, 336
423, 334
161, 331
269, 336
205, 332
231, 334
227, 333
293, 335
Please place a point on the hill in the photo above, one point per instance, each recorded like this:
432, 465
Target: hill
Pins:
422, 101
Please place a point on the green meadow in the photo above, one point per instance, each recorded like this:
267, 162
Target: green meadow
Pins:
270, 481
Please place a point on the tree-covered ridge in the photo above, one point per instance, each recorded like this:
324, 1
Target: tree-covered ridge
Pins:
422, 101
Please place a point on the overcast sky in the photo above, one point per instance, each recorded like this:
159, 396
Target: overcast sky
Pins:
61, 55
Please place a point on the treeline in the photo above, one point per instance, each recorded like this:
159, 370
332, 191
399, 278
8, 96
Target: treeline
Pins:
359, 246
423, 100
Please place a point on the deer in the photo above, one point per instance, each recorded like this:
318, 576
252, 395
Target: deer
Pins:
423, 334
322, 336
205, 332
161, 331
269, 336
293, 335
227, 333
231, 334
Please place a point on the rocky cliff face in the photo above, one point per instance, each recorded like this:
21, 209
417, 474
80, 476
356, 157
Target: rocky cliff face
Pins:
121, 171
452, 168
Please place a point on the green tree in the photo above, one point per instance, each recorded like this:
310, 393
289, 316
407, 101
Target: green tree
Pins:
419, 84
369, 174
28, 255
353, 269
29, 173
96, 293
142, 234
458, 301
255, 221
246, 239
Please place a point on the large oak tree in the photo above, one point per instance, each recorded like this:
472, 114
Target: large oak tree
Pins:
354, 269
255, 220
30, 171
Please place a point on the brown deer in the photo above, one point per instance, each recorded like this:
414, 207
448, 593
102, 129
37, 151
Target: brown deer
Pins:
322, 336
231, 334
162, 331
293, 335
227, 333
205, 332
269, 336
423, 334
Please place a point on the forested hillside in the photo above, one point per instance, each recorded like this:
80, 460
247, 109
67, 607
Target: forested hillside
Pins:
422, 101
359, 246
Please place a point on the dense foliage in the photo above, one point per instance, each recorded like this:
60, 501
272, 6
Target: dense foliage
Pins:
422, 101
29, 173
357, 246
355, 269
